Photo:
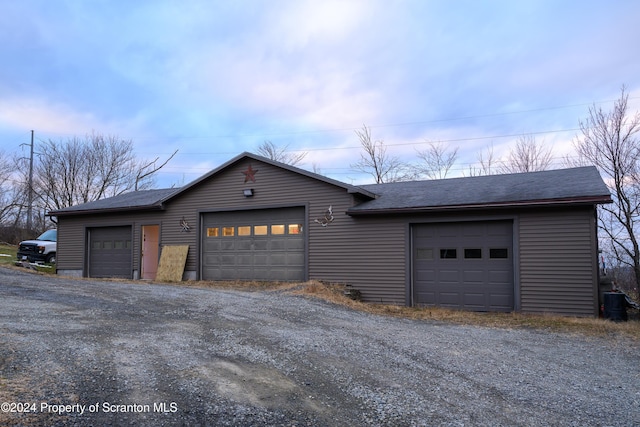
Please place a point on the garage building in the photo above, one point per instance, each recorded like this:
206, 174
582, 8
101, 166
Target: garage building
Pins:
519, 242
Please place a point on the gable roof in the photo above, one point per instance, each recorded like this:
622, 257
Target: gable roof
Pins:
350, 188
561, 186
155, 199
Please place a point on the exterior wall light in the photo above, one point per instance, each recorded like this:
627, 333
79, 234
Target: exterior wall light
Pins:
248, 192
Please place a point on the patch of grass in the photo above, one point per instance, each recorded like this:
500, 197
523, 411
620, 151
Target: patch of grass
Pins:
249, 286
545, 322
9, 255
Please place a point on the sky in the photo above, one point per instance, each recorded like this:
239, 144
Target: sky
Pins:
213, 78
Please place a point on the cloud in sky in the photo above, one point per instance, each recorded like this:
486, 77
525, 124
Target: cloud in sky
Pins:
215, 78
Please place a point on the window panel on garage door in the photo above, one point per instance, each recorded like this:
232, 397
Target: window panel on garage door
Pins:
466, 265
266, 244
110, 252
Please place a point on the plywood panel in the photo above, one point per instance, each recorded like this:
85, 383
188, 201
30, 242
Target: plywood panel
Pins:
172, 262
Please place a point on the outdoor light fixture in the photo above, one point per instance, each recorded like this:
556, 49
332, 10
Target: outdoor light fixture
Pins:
248, 192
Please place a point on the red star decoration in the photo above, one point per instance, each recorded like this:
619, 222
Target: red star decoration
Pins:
250, 174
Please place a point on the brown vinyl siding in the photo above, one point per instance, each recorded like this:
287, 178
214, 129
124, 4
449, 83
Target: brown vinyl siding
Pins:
368, 253
555, 251
72, 235
557, 262
274, 187
70, 245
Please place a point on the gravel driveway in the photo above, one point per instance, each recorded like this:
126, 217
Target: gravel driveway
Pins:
89, 352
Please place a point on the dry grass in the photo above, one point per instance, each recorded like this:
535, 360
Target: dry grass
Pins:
546, 322
239, 285
9, 255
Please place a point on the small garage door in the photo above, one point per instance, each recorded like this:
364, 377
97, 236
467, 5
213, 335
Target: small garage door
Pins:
110, 252
465, 265
266, 244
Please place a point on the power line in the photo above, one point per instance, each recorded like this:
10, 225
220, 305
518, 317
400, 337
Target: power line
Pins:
399, 144
372, 126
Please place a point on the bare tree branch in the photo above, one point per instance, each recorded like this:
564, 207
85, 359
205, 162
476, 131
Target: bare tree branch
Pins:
375, 161
527, 156
146, 170
9, 197
82, 170
609, 141
437, 160
271, 151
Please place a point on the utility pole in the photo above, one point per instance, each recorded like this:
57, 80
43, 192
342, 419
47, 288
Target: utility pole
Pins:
30, 205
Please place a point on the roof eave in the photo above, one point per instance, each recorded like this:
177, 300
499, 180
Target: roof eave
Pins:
60, 213
595, 200
362, 192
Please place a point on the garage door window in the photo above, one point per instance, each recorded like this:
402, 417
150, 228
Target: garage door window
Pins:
277, 229
499, 253
424, 253
258, 230
448, 253
473, 253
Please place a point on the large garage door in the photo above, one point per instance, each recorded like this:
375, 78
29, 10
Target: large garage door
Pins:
266, 244
466, 265
110, 252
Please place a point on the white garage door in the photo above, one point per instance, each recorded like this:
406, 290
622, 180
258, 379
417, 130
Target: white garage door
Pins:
465, 265
265, 244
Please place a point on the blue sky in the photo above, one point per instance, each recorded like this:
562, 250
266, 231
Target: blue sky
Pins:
216, 78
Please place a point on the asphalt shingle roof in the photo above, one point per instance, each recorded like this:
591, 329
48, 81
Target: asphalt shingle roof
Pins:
546, 186
135, 199
582, 184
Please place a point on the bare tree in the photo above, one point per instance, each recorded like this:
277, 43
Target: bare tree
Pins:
376, 162
14, 201
271, 151
527, 156
437, 160
486, 161
610, 141
8, 194
82, 170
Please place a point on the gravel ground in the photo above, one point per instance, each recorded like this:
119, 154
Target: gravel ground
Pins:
103, 353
